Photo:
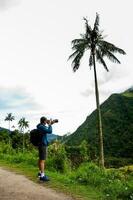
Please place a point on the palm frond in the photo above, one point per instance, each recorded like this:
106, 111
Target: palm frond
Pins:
112, 57
84, 45
88, 29
77, 41
76, 61
93, 40
96, 24
79, 44
111, 47
73, 55
100, 59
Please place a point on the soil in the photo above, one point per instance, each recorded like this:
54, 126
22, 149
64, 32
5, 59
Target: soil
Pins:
17, 187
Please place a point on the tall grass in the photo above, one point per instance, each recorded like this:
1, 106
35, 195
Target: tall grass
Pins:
113, 183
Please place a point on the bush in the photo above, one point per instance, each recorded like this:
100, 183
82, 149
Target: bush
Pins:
17, 156
4, 136
57, 158
27, 157
119, 190
6, 149
117, 162
112, 182
127, 169
78, 154
89, 173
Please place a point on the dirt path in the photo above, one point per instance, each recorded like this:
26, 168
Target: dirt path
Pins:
18, 187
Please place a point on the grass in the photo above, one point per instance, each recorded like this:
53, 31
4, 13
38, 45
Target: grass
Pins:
59, 182
128, 94
87, 182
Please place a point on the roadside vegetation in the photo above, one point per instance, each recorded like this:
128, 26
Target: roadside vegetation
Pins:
72, 173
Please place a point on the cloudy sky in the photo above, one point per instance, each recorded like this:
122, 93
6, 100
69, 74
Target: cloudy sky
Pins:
36, 77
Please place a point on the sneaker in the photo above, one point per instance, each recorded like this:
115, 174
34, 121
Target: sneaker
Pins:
44, 178
39, 175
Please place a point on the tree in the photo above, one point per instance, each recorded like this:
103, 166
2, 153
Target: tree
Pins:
4, 135
93, 41
23, 124
9, 118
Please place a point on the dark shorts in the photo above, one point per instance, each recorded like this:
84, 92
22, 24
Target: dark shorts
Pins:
42, 152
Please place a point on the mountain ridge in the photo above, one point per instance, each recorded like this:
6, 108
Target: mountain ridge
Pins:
117, 118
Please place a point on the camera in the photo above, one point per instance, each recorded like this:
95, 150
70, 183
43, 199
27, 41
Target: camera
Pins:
55, 121
52, 121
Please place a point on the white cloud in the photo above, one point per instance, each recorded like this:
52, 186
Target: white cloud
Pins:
35, 43
4, 4
16, 98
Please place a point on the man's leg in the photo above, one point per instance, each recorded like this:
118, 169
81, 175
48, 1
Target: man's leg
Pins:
41, 162
41, 165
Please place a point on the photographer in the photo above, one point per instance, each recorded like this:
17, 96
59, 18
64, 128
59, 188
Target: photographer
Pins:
42, 148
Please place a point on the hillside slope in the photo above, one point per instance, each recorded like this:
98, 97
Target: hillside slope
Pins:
117, 118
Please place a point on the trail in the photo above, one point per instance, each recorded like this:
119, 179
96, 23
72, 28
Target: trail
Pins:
18, 187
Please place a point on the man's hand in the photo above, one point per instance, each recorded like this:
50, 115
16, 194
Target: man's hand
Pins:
49, 122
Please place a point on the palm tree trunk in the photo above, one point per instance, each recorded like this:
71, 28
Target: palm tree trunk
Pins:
9, 134
101, 159
23, 141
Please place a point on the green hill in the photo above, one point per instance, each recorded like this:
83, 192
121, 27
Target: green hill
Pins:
117, 119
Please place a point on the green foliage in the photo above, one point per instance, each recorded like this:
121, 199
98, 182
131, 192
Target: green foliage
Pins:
127, 169
117, 118
89, 173
78, 154
16, 139
119, 190
17, 156
84, 150
92, 40
6, 149
113, 183
128, 94
117, 162
4, 136
57, 158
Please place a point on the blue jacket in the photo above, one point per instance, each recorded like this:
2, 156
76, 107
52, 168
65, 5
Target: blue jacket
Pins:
44, 130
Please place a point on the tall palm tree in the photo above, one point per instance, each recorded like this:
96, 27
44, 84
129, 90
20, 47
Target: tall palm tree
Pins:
93, 41
9, 118
23, 124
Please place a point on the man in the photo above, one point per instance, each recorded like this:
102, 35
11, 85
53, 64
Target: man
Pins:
43, 146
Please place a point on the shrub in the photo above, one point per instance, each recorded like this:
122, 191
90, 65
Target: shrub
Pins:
78, 154
6, 149
119, 190
89, 173
113, 183
127, 169
117, 162
57, 158
17, 156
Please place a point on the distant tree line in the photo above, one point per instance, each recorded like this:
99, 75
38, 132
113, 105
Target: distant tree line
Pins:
16, 138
